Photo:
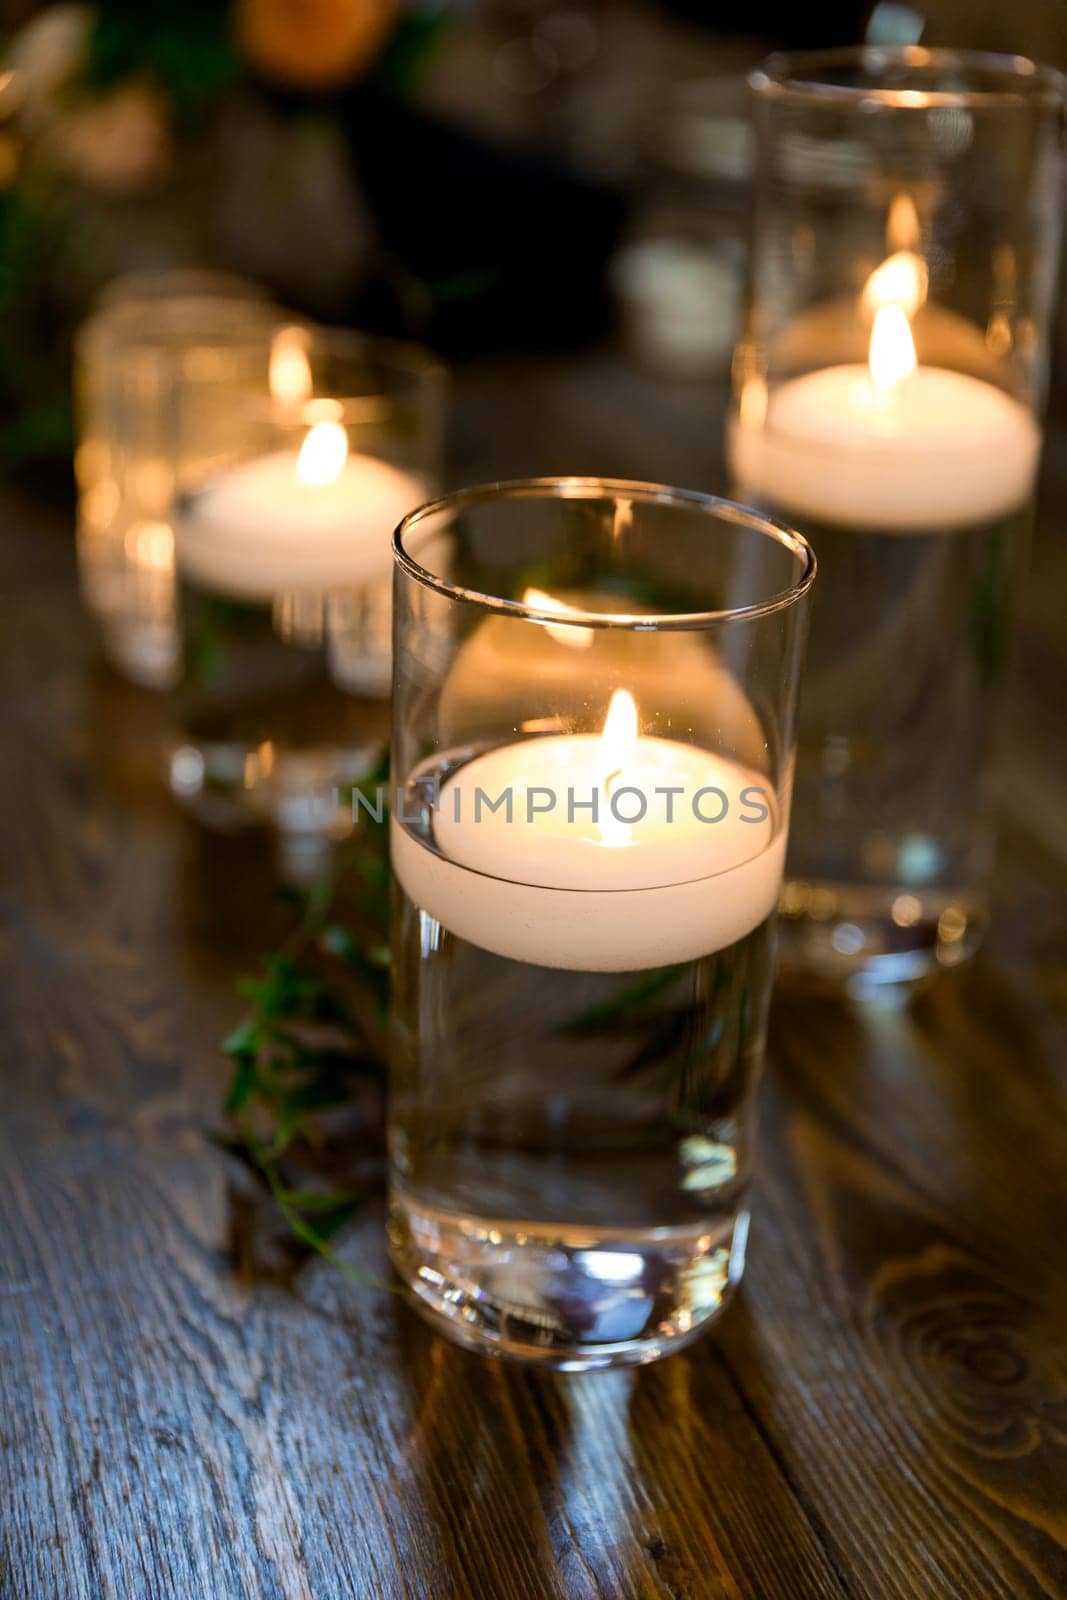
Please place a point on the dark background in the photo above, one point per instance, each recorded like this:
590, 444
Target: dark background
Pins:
460, 173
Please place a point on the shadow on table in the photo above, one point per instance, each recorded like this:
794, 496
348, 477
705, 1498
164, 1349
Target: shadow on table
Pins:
556, 1484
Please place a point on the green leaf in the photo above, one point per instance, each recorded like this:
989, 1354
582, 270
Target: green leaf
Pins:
305, 1042
242, 1083
244, 1040
635, 999
328, 1223
317, 1200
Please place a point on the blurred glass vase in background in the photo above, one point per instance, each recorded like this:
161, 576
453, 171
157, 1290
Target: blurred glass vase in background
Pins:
157, 342
283, 558
888, 394
679, 273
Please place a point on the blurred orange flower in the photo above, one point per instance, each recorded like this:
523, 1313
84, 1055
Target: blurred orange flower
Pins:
313, 43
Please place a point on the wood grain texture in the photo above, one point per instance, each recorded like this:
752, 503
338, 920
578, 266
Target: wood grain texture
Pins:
884, 1412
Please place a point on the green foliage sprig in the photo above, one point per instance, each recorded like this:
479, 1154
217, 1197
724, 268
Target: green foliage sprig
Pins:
314, 1039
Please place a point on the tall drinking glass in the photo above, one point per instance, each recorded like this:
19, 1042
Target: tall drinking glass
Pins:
889, 390
594, 689
157, 343
283, 554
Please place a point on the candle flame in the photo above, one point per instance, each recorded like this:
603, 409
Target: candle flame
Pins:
892, 350
618, 741
615, 752
575, 638
290, 371
323, 454
901, 280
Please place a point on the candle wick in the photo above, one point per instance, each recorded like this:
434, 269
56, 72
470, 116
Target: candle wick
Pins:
610, 779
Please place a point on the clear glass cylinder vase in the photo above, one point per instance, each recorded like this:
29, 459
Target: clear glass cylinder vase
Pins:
326, 439
157, 345
889, 390
594, 689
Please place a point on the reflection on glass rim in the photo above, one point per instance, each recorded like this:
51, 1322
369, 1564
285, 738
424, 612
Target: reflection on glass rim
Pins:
808, 77
606, 490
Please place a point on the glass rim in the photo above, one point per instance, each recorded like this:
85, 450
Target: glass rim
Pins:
805, 78
595, 488
183, 283
246, 319
401, 354
256, 324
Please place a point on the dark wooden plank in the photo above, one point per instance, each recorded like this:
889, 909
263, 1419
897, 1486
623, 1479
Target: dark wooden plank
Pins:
884, 1413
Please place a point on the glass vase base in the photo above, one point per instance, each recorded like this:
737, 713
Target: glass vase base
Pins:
303, 797
842, 936
566, 1296
144, 653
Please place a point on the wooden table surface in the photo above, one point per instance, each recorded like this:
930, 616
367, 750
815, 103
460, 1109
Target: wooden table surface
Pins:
883, 1411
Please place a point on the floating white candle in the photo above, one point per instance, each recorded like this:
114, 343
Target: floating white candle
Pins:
559, 887
891, 446
315, 519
